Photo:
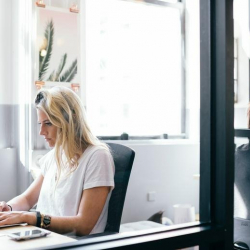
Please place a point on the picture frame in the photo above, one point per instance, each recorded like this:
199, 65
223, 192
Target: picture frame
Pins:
57, 47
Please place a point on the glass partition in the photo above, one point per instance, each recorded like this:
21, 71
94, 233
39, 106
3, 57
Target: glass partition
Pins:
153, 88
143, 78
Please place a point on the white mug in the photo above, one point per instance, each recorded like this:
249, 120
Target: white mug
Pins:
184, 213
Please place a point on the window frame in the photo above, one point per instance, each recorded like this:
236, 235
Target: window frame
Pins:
215, 229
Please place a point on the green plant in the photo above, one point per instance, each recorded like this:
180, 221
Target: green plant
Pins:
70, 73
44, 60
57, 76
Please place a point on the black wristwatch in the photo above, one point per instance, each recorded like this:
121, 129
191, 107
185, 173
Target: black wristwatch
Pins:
46, 221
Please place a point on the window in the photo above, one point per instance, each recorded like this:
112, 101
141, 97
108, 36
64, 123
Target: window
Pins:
131, 87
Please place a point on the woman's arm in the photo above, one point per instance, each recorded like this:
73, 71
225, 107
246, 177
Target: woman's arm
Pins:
27, 199
90, 208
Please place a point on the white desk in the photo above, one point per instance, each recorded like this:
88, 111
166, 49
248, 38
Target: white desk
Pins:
50, 240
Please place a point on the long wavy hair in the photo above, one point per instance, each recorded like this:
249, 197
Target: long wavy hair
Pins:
65, 110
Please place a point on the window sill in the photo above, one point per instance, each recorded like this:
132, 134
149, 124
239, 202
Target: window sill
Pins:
156, 142
174, 237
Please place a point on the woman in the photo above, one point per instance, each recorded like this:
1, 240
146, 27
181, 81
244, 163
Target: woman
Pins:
77, 176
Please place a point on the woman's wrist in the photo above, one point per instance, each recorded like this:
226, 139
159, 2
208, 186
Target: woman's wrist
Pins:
30, 218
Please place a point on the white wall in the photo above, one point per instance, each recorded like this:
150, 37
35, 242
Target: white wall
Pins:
6, 84
166, 169
10, 85
8, 155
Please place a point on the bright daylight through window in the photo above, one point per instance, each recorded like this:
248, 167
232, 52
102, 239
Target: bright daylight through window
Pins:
134, 68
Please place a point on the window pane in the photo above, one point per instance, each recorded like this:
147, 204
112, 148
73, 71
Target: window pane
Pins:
134, 68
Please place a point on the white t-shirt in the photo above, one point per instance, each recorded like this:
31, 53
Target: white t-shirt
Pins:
95, 169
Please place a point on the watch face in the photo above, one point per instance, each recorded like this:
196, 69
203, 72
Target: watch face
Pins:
46, 220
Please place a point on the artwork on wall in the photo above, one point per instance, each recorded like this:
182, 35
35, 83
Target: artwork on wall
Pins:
57, 47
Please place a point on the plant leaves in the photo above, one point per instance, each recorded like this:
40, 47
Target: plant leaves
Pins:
61, 66
52, 76
49, 35
69, 74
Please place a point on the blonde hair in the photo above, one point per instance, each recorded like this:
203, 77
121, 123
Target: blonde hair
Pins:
65, 110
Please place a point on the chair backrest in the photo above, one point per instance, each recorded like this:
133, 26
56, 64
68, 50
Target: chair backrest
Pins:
241, 233
242, 182
123, 159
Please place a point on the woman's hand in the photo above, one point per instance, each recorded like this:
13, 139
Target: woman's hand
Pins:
9, 218
4, 207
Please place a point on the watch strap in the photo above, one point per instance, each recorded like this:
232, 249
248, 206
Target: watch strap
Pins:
38, 219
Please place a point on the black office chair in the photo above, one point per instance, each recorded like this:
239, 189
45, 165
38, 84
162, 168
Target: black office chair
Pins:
123, 159
241, 234
242, 184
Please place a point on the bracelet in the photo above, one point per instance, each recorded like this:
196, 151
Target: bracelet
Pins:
42, 216
38, 219
9, 206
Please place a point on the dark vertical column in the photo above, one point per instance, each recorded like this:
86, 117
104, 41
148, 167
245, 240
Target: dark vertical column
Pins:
217, 117
223, 118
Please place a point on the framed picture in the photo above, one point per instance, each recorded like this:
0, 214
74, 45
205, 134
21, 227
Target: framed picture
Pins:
57, 47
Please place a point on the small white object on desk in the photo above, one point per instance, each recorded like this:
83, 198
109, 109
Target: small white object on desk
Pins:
183, 213
196, 176
49, 241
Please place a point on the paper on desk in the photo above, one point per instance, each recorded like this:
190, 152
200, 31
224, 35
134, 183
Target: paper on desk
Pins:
12, 225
